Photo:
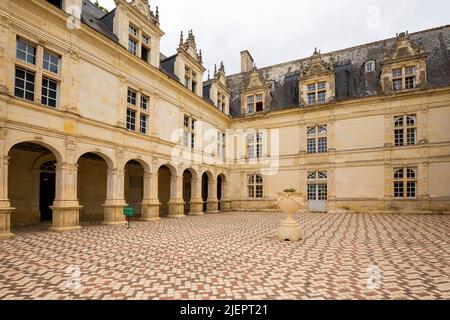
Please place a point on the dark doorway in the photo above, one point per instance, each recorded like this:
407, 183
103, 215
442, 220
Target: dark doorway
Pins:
205, 182
187, 187
219, 189
46, 195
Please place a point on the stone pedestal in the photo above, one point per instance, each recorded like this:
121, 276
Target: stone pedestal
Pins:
5, 223
196, 208
65, 218
150, 211
176, 209
114, 214
212, 206
289, 230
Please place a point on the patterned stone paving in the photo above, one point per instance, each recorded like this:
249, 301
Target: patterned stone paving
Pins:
233, 256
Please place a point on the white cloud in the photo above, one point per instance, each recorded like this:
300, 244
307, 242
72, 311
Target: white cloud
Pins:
284, 30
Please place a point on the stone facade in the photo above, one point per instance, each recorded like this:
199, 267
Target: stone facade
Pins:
128, 126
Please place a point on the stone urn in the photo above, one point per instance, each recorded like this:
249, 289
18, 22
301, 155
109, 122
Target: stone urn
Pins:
290, 229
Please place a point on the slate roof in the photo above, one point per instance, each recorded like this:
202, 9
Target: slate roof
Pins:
351, 79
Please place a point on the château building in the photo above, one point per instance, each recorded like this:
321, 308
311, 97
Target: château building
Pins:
93, 118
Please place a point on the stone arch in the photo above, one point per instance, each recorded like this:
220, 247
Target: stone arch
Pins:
135, 189
57, 152
142, 162
110, 161
32, 192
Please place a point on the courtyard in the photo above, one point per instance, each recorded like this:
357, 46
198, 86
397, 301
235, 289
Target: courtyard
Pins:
233, 256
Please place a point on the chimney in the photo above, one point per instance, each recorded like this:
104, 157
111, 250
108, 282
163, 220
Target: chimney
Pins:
247, 61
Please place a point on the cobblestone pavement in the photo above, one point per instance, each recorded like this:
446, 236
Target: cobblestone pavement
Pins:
233, 256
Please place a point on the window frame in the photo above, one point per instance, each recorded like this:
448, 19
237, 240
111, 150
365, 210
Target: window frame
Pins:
317, 139
405, 185
255, 186
404, 130
316, 92
255, 102
401, 78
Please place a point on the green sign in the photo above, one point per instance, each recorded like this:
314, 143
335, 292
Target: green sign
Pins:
128, 211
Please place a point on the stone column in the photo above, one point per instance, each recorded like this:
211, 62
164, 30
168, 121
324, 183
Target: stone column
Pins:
196, 198
5, 207
212, 204
66, 208
150, 203
176, 202
225, 202
115, 199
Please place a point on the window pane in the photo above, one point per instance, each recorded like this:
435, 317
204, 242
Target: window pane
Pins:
411, 187
311, 147
411, 137
321, 86
411, 120
311, 131
411, 174
312, 175
251, 191
398, 121
410, 82
25, 51
322, 130
398, 189
322, 192
410, 70
311, 87
311, 98
397, 85
259, 192
398, 138
131, 98
398, 173
323, 145
131, 119
321, 96
144, 102
24, 84
49, 92
397, 73
312, 192
51, 62
143, 124
323, 175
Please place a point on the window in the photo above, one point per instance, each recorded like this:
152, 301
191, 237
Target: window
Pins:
131, 119
144, 102
189, 126
143, 124
221, 144
190, 79
317, 186
131, 98
49, 92
255, 145
137, 111
25, 51
24, 84
404, 78
221, 101
132, 46
405, 183
370, 66
317, 141
255, 103
145, 39
132, 30
316, 92
255, 186
51, 62
405, 130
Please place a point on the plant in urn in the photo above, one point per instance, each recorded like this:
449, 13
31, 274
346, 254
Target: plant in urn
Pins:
288, 203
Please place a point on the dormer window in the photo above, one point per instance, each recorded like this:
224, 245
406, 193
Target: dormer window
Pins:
145, 48
317, 92
132, 46
255, 103
404, 78
145, 39
370, 66
221, 101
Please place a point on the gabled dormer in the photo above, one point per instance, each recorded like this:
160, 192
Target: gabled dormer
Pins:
188, 65
137, 28
255, 97
404, 68
219, 92
317, 81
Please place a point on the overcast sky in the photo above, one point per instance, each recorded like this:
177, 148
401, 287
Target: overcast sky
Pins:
285, 30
